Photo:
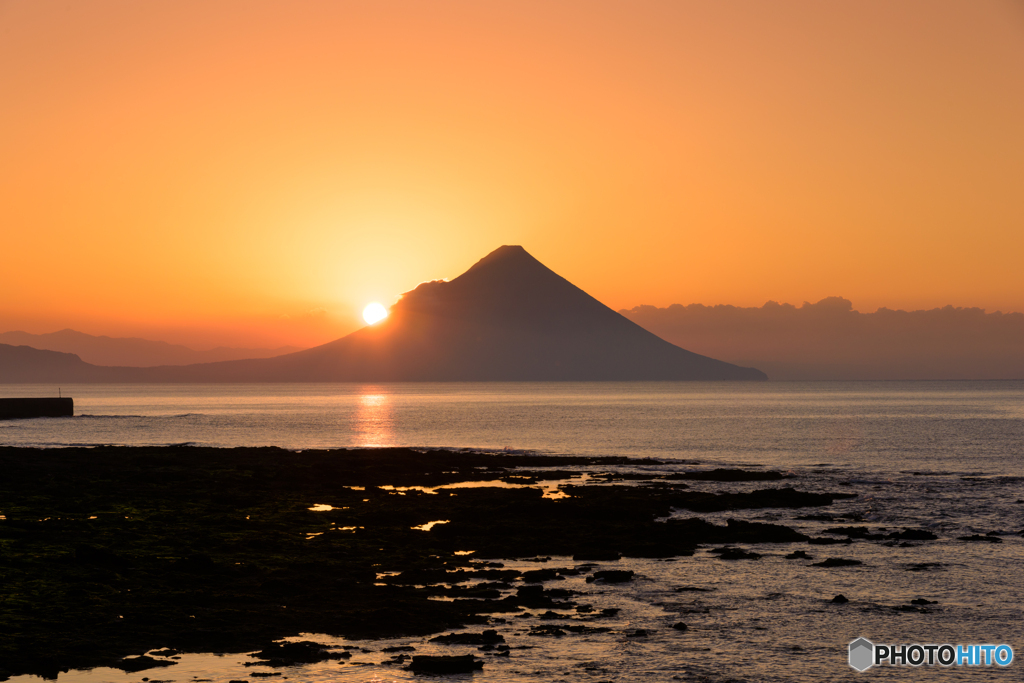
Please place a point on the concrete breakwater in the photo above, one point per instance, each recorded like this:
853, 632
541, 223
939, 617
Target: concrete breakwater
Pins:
21, 408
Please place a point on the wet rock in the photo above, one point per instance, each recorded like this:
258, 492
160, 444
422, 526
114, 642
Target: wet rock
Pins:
840, 600
680, 626
548, 630
541, 575
977, 538
913, 535
553, 615
292, 653
861, 532
837, 562
737, 554
486, 638
799, 555
536, 596
722, 474
253, 572
453, 664
825, 540
133, 664
611, 576
580, 628
923, 566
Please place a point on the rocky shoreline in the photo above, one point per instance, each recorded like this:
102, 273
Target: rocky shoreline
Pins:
109, 552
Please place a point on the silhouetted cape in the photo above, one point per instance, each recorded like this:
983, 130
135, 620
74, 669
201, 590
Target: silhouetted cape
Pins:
508, 318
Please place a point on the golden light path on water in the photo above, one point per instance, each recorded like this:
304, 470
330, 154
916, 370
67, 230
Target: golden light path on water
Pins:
374, 419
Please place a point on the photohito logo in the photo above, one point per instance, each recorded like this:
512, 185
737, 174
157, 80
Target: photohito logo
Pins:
864, 654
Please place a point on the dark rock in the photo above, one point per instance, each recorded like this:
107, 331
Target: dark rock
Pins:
553, 615
680, 626
610, 611
536, 596
799, 555
856, 532
133, 664
722, 474
913, 535
840, 599
611, 576
454, 664
540, 575
923, 566
910, 608
825, 540
580, 628
693, 589
978, 538
487, 637
398, 648
639, 633
837, 562
548, 630
922, 601
292, 653
737, 554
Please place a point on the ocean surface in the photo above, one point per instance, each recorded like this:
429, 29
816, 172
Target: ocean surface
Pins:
947, 457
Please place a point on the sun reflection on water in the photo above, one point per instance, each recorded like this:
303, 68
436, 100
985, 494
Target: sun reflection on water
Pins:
374, 419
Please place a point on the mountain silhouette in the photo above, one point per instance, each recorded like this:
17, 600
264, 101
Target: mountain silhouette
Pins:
131, 351
508, 318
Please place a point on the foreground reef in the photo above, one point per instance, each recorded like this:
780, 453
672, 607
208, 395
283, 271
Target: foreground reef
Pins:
110, 552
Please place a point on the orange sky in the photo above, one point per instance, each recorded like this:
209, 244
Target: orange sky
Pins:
252, 173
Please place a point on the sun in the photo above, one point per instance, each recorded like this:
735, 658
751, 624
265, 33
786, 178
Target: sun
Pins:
374, 313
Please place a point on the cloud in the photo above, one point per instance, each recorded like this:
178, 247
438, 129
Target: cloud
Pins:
831, 340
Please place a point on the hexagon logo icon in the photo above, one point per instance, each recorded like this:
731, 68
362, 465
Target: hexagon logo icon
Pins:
862, 654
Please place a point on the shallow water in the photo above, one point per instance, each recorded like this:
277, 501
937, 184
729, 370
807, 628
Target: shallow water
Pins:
942, 456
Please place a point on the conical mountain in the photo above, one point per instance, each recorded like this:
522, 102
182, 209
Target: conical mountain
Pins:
508, 318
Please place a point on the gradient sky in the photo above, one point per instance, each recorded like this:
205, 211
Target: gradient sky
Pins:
253, 173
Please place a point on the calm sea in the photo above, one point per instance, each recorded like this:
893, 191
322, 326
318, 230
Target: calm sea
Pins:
942, 456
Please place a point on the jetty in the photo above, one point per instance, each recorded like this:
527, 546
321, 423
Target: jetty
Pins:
21, 408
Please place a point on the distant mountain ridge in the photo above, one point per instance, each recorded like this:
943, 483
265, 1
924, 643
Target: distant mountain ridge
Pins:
131, 351
829, 340
507, 318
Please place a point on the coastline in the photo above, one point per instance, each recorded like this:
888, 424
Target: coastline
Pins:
110, 552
